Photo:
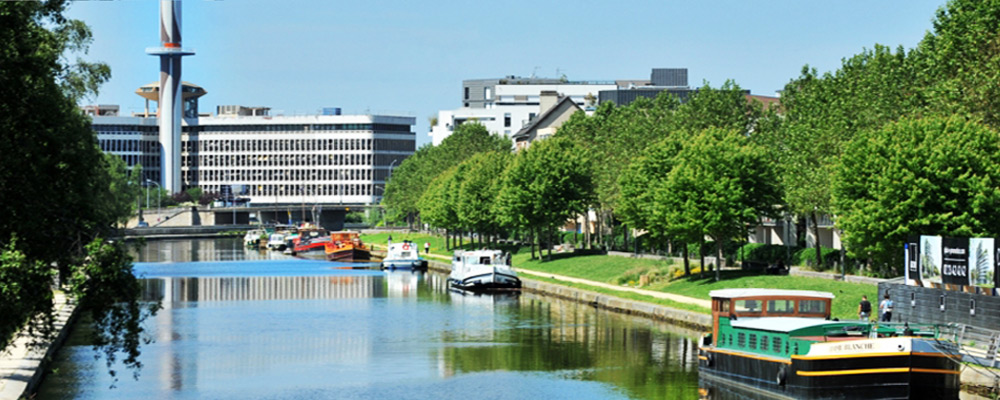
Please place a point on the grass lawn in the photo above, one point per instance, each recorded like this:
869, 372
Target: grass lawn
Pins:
627, 295
609, 269
845, 303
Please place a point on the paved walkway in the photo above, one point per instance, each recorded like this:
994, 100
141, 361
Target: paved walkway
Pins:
21, 366
659, 295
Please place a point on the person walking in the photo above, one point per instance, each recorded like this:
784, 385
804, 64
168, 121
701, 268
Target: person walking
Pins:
885, 309
864, 308
427, 247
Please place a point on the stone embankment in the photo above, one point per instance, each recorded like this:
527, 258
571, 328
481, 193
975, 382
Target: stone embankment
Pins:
683, 318
22, 366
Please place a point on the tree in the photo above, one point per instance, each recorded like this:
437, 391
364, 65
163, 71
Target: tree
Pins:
823, 113
438, 203
413, 175
933, 176
639, 207
477, 194
58, 191
546, 185
959, 61
720, 182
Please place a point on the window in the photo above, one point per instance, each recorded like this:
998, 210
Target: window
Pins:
781, 306
466, 96
776, 343
763, 343
812, 307
753, 342
741, 339
725, 305
506, 120
746, 306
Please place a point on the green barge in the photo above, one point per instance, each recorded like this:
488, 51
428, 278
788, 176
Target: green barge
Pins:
784, 342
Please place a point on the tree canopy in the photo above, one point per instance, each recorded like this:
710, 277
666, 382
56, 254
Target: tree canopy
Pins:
935, 175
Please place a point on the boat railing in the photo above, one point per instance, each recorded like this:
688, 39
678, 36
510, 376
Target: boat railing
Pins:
977, 345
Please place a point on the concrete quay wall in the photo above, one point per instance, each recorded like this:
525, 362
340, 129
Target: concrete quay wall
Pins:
683, 318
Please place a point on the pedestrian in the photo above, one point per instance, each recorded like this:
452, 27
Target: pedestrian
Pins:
390, 240
885, 308
427, 247
864, 308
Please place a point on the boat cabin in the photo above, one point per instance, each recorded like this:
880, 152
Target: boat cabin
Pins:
732, 304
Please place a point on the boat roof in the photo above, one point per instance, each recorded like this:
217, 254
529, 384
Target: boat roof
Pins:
777, 324
744, 292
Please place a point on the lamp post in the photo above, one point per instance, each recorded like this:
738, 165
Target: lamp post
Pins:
148, 181
380, 206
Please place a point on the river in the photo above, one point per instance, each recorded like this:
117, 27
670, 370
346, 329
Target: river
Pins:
241, 324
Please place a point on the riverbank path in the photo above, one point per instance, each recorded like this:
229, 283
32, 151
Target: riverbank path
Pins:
652, 293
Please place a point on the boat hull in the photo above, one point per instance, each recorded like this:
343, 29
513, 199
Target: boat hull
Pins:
404, 264
348, 254
910, 375
491, 280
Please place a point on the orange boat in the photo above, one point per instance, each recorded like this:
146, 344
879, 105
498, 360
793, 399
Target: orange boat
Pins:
346, 246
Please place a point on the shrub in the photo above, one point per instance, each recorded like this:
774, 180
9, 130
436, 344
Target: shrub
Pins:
807, 257
767, 253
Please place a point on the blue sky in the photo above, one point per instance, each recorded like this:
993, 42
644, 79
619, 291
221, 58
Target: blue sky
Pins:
297, 56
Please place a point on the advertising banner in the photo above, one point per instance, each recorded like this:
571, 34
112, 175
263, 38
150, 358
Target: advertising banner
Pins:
929, 258
911, 256
982, 264
955, 261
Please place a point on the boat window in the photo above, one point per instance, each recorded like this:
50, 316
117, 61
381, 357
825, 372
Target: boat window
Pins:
484, 260
753, 341
741, 339
724, 305
776, 343
812, 306
746, 306
780, 306
763, 343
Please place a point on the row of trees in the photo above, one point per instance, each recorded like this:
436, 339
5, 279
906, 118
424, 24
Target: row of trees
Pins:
60, 196
893, 143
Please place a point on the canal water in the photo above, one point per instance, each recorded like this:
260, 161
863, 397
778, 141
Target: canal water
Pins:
240, 324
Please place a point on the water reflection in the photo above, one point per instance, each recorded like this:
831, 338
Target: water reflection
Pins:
209, 289
217, 249
305, 329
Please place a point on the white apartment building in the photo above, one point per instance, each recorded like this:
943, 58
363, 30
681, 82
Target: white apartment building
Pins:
508, 107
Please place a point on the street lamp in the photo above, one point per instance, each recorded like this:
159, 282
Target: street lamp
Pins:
148, 181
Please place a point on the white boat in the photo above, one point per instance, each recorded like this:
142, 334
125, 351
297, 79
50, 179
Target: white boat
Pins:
277, 241
403, 255
482, 270
252, 237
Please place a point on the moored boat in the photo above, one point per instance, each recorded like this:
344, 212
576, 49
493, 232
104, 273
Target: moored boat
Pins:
783, 341
253, 237
310, 239
403, 255
346, 246
482, 270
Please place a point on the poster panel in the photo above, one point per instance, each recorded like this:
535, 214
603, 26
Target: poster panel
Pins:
929, 258
955, 261
912, 254
981, 261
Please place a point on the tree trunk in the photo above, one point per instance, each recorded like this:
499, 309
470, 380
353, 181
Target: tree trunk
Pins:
586, 229
819, 249
687, 263
701, 253
550, 244
718, 259
532, 240
600, 228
